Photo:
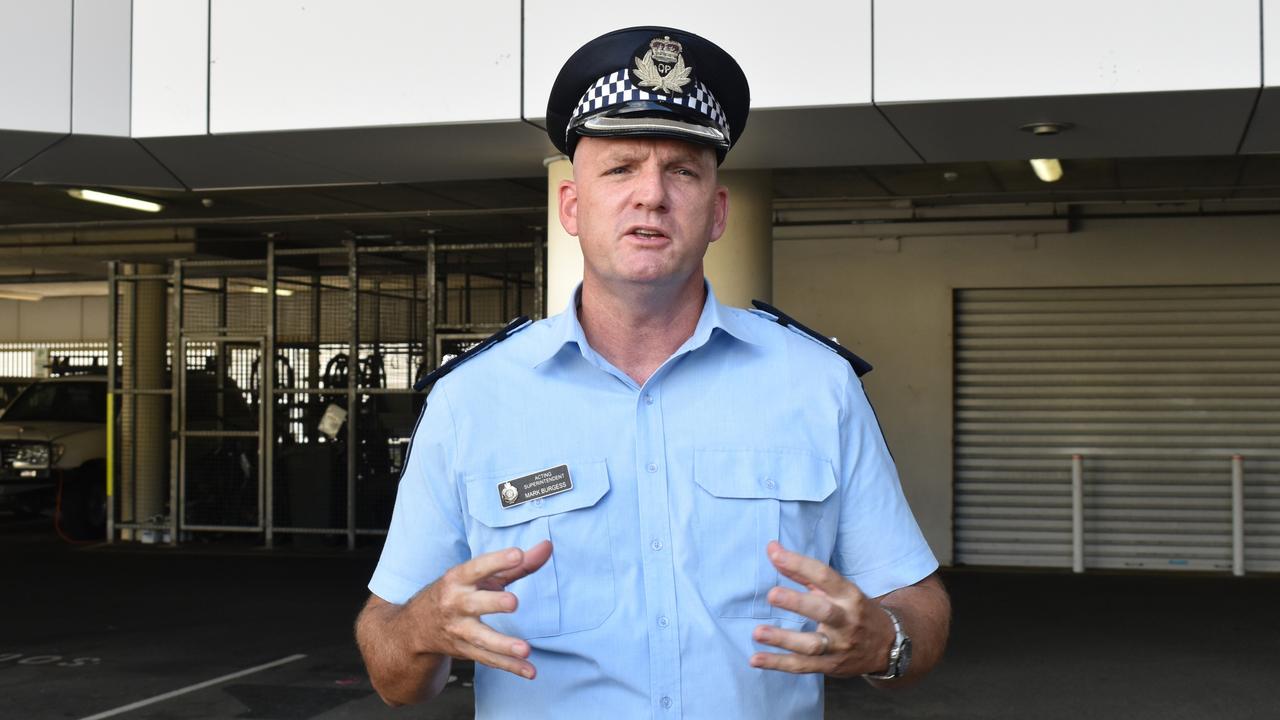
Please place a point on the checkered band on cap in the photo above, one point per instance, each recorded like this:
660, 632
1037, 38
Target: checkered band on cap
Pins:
616, 89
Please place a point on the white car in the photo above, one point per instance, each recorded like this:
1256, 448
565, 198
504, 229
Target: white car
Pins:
53, 453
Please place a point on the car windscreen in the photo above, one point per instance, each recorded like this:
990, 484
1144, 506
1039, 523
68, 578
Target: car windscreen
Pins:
60, 402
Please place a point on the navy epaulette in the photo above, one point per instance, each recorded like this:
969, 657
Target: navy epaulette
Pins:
512, 328
860, 367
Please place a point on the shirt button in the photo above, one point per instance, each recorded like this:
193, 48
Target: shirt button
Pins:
656, 544
666, 703
648, 399
769, 483
663, 621
651, 467
537, 502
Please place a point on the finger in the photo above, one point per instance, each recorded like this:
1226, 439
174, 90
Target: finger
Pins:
791, 663
808, 571
813, 605
515, 666
482, 566
803, 643
532, 560
486, 602
486, 638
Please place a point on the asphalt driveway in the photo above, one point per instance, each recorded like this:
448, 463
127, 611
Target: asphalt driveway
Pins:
226, 630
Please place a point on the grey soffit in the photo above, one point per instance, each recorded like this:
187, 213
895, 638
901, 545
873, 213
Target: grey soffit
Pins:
19, 146
356, 155
1264, 130
209, 162
1208, 122
819, 137
96, 160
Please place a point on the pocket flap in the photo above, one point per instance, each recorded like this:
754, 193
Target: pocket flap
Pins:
590, 483
781, 475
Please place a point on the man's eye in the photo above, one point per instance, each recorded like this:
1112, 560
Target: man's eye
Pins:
686, 172
616, 171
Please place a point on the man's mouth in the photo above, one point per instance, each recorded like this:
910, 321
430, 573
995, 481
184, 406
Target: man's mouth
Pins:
647, 233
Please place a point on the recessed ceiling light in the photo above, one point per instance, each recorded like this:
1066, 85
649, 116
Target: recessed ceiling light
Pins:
1046, 127
123, 201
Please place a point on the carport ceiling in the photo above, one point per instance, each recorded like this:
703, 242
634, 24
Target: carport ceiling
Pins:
513, 209
1012, 181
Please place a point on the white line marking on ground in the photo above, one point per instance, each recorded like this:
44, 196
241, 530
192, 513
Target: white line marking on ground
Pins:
192, 688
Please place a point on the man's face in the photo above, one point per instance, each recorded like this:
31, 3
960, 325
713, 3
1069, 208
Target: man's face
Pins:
644, 209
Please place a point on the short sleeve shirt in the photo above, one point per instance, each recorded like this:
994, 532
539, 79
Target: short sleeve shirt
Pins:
749, 432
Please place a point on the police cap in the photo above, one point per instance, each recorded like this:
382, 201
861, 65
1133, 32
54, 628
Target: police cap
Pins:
649, 82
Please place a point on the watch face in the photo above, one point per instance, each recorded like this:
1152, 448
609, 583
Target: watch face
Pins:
904, 657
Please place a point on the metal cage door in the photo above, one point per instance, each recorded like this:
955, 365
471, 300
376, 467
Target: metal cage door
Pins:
221, 473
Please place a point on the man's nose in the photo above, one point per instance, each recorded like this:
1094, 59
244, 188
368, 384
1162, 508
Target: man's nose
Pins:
651, 189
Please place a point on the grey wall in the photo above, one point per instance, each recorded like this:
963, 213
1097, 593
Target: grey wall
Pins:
894, 308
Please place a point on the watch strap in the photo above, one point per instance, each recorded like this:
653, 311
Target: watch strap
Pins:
895, 651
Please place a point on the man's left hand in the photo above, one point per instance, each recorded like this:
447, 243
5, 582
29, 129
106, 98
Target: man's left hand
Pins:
853, 636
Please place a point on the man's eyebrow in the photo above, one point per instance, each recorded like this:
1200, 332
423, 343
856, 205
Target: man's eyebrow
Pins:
623, 155
684, 157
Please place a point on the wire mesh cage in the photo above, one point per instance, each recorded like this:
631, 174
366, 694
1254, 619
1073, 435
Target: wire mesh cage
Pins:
294, 403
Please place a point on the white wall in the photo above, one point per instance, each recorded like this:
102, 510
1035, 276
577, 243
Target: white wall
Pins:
170, 68
894, 309
100, 67
1271, 42
331, 63
943, 50
35, 52
798, 53
334, 63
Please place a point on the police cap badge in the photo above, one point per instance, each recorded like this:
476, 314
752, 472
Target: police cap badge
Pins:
649, 82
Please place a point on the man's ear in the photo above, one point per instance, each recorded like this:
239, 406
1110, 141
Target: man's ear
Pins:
721, 213
569, 206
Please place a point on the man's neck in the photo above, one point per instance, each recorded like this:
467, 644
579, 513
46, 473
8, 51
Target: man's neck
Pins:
637, 327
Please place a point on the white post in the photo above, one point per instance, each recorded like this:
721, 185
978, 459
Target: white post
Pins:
1077, 513
1237, 515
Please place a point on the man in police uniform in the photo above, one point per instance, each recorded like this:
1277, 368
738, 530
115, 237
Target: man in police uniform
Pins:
650, 504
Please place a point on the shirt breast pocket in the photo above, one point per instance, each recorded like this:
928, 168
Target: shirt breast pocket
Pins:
744, 499
574, 590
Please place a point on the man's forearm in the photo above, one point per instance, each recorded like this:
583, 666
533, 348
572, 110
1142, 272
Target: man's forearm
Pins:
400, 674
925, 612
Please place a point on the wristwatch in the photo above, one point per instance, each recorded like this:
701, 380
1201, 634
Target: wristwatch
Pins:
899, 654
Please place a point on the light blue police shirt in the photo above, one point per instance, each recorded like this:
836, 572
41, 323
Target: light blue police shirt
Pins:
749, 432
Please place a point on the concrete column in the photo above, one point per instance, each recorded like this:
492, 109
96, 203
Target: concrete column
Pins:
739, 264
145, 428
564, 255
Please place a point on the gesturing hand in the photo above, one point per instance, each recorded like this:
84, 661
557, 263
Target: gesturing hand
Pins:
853, 635
448, 611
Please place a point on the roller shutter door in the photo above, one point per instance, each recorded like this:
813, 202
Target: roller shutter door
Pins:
1156, 387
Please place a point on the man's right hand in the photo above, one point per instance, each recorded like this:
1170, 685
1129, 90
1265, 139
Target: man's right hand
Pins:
445, 616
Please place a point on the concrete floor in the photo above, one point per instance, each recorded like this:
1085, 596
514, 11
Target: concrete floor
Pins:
87, 630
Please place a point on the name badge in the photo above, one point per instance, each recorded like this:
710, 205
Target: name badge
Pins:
543, 483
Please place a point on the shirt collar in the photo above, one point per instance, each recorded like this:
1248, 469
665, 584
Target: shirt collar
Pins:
566, 329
